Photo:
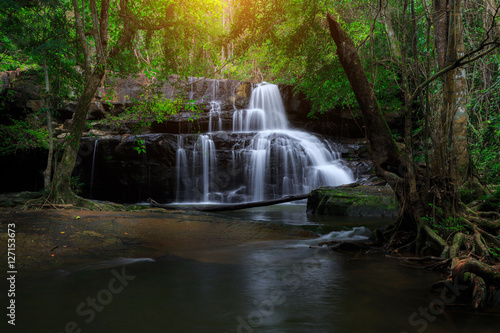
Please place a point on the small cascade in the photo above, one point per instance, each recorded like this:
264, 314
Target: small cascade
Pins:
194, 171
259, 155
93, 168
265, 111
215, 112
209, 162
215, 109
264, 160
181, 164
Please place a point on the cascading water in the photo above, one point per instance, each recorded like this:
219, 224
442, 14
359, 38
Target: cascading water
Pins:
93, 168
266, 159
215, 109
215, 112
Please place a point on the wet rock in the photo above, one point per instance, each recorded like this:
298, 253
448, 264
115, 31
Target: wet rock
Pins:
373, 201
96, 112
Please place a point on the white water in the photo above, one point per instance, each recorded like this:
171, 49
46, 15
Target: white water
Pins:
215, 117
265, 111
268, 160
93, 168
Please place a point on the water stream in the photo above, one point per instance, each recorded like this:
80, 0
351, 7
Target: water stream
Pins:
273, 286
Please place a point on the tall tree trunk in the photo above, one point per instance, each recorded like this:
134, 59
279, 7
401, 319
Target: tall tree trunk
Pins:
455, 96
392, 37
440, 30
450, 157
47, 174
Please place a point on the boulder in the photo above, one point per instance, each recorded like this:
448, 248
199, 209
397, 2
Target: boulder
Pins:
366, 201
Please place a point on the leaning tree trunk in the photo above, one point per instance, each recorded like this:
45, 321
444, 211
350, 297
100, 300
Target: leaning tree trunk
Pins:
61, 192
388, 160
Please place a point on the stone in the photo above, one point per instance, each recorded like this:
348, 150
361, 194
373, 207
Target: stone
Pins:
67, 124
366, 201
96, 111
94, 132
35, 105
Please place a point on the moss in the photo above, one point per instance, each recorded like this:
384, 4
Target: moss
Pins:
358, 201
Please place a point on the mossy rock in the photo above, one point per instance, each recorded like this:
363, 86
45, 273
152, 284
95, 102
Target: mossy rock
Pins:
370, 201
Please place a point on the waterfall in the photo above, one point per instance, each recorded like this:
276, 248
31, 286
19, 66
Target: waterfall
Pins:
264, 158
180, 165
265, 111
209, 163
215, 112
215, 109
93, 168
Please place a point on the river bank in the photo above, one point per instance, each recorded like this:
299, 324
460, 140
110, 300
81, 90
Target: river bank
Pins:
47, 239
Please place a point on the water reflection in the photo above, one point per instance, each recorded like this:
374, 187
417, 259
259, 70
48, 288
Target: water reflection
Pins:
273, 286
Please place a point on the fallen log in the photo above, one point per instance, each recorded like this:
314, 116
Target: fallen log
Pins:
237, 206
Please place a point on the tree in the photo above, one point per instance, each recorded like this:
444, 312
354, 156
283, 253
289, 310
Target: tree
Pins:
60, 191
398, 167
39, 33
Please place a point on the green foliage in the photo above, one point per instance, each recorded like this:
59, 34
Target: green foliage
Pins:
76, 185
153, 108
328, 88
495, 252
485, 148
492, 201
446, 226
22, 135
139, 146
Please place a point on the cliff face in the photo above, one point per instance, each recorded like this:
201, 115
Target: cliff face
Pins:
110, 168
20, 94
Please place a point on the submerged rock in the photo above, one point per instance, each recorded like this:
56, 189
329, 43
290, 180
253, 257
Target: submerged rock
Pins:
372, 201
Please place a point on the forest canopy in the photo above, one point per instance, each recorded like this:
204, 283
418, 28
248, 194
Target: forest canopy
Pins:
280, 41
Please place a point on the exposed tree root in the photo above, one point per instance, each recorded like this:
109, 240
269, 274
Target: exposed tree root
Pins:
427, 239
490, 215
480, 247
74, 202
485, 223
460, 268
479, 293
457, 243
467, 253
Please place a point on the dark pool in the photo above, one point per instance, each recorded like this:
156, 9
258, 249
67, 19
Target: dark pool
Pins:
277, 286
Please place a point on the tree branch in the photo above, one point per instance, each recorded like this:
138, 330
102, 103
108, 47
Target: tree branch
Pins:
80, 31
462, 61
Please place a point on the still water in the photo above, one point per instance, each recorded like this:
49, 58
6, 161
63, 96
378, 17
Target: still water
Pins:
274, 286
